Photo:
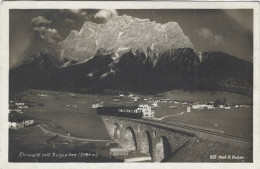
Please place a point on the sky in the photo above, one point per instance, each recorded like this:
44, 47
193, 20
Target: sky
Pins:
229, 30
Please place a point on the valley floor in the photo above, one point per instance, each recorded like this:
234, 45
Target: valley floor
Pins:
67, 122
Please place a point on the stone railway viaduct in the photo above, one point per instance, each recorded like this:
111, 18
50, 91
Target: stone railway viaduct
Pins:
153, 139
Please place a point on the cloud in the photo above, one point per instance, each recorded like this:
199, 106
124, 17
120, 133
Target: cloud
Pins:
105, 14
40, 25
69, 22
77, 12
40, 21
50, 35
210, 37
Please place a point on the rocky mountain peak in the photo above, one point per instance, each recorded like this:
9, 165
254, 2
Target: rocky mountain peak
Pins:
122, 33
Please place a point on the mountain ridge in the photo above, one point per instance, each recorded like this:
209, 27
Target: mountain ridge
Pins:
176, 69
128, 53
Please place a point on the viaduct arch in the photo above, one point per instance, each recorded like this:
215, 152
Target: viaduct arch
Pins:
157, 141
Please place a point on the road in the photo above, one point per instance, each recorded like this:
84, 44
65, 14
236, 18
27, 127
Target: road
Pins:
71, 137
169, 116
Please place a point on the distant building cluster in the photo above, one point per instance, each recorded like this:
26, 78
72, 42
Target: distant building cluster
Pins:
18, 106
17, 121
202, 106
147, 105
43, 95
16, 118
72, 105
17, 125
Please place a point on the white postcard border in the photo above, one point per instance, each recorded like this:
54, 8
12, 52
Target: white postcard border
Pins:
4, 71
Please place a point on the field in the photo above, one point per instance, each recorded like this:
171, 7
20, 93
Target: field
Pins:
209, 96
237, 122
33, 145
71, 115
58, 111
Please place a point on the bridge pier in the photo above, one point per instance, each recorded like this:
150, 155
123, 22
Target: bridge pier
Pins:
128, 139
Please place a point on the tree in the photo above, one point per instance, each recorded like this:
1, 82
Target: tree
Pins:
224, 101
217, 102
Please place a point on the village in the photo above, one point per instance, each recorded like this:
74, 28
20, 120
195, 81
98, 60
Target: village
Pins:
16, 118
149, 105
152, 108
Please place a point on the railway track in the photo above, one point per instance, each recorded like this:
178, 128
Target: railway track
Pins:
191, 129
199, 129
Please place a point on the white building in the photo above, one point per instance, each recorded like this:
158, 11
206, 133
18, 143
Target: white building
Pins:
28, 122
227, 107
221, 106
198, 106
25, 107
18, 111
16, 125
135, 99
202, 106
155, 104
42, 95
209, 106
147, 111
130, 95
19, 104
97, 105
12, 125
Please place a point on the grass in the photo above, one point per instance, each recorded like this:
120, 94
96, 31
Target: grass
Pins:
204, 97
236, 121
32, 140
60, 113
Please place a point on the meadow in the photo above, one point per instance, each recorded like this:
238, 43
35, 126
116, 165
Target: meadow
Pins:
72, 112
